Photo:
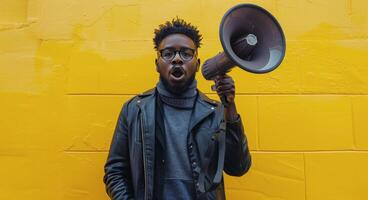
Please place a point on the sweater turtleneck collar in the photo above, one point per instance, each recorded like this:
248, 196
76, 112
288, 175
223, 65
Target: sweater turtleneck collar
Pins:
184, 100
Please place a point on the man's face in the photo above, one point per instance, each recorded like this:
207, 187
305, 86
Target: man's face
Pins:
177, 73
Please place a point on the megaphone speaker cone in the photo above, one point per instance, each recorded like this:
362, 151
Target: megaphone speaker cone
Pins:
251, 38
250, 19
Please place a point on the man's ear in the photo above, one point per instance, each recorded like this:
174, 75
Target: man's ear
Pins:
156, 65
198, 63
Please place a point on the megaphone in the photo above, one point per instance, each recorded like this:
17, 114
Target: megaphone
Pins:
251, 38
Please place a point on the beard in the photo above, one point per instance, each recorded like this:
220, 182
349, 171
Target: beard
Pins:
177, 89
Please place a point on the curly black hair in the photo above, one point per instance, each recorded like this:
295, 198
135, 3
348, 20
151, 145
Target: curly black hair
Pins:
177, 25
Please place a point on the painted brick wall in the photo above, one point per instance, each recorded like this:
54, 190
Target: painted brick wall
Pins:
67, 66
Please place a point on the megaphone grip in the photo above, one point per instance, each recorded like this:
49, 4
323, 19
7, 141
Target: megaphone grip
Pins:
224, 101
219, 64
222, 98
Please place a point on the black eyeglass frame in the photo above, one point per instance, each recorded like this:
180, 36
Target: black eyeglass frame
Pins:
175, 51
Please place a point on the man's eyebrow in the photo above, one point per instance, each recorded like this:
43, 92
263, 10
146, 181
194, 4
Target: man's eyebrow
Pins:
171, 47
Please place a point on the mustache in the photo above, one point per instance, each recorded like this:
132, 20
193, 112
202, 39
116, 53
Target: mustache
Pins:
177, 68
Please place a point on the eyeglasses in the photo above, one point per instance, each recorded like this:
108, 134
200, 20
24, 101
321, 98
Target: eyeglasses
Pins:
186, 54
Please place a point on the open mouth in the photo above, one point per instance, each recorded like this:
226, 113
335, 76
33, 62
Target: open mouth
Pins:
177, 72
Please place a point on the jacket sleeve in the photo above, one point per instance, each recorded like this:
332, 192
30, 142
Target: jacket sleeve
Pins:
117, 176
237, 156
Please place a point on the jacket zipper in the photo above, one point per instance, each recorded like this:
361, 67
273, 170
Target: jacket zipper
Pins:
144, 159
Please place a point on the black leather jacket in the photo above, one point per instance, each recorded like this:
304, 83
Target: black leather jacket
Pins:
130, 166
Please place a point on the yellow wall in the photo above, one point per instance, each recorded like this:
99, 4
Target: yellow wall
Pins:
67, 66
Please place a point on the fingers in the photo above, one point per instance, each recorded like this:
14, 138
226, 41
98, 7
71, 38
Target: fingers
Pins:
224, 82
222, 79
226, 93
225, 86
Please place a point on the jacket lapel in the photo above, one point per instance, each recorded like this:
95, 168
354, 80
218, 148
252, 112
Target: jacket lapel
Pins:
147, 107
203, 108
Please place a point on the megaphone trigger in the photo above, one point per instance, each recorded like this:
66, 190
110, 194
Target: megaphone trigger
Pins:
213, 88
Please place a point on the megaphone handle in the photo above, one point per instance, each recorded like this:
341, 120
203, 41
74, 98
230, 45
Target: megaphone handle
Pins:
222, 98
224, 101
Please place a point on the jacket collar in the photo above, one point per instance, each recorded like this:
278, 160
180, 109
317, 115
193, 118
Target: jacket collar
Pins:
203, 106
202, 96
146, 102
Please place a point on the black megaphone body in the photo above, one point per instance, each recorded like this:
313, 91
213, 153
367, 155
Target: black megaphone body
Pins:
251, 38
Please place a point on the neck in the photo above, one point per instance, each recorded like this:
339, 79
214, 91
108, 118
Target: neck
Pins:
189, 91
183, 100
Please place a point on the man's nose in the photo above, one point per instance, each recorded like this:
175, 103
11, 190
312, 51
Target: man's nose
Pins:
177, 59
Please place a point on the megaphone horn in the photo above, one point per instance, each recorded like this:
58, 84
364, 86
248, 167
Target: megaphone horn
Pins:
251, 38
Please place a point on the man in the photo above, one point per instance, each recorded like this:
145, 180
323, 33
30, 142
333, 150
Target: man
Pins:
172, 142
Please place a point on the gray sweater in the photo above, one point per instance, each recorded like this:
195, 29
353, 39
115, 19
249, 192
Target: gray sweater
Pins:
177, 112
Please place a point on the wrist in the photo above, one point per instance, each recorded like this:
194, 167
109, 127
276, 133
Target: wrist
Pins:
233, 119
231, 113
